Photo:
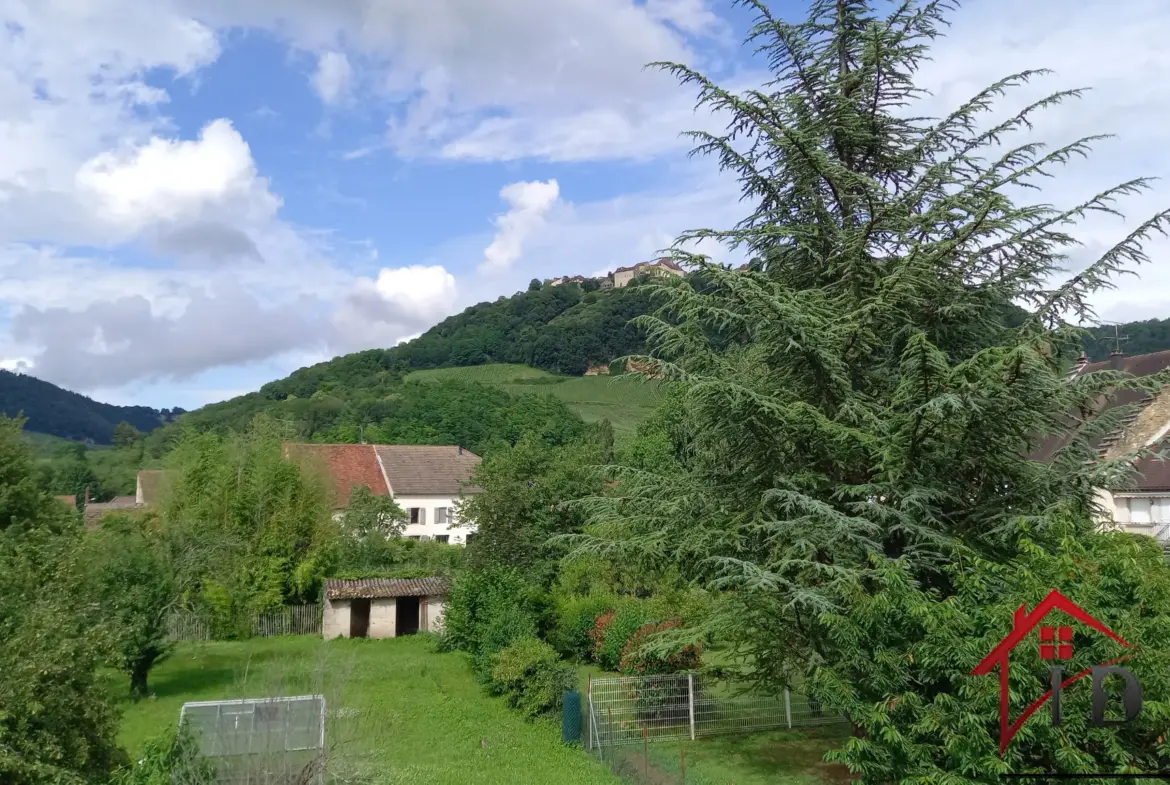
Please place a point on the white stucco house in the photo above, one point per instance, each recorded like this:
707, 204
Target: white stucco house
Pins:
384, 607
426, 481
1143, 507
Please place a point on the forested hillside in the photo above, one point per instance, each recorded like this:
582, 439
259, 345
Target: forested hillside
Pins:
52, 410
559, 329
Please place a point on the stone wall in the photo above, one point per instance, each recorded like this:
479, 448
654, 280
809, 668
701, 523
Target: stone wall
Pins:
335, 623
383, 615
436, 607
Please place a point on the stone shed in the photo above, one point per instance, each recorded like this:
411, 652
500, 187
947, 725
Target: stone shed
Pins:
384, 607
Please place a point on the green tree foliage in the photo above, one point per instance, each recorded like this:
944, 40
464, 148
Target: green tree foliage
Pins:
125, 435
57, 724
254, 529
70, 472
171, 758
531, 677
859, 402
448, 411
921, 645
522, 508
52, 410
489, 610
556, 328
130, 575
369, 516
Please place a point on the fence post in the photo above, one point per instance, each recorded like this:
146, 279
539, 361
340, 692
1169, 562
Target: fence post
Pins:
788, 706
691, 701
589, 713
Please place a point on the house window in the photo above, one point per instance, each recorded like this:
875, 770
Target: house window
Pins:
418, 515
443, 538
443, 515
414, 537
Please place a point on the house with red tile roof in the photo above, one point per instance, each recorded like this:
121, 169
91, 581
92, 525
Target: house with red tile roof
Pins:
1144, 505
426, 481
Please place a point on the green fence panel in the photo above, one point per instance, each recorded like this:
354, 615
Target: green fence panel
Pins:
571, 720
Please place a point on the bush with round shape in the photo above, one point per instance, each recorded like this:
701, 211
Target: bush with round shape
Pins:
576, 619
531, 677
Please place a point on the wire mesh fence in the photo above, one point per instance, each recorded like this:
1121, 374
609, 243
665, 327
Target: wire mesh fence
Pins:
631, 720
288, 620
637, 709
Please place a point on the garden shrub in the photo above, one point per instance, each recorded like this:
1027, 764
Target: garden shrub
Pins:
169, 758
487, 611
638, 659
597, 634
576, 618
611, 637
531, 676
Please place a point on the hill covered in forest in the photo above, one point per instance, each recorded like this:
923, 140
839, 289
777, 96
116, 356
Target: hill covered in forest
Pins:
558, 330
52, 410
538, 341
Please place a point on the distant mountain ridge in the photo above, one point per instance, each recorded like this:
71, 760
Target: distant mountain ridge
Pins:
58, 412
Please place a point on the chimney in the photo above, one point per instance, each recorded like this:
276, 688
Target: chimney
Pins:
86, 498
460, 450
1116, 360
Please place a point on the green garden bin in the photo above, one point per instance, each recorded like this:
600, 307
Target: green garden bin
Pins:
571, 720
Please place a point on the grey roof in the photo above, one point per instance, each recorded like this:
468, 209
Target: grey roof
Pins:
378, 588
418, 470
95, 510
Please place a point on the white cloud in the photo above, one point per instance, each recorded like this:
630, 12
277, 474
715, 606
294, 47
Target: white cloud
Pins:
528, 202
332, 78
439, 78
124, 339
400, 304
172, 180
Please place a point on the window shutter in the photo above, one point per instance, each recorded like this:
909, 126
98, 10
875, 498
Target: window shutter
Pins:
422, 514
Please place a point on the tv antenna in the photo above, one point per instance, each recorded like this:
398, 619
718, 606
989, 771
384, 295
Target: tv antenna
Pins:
1118, 338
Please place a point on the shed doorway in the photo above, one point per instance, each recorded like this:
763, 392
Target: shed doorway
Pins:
406, 616
359, 618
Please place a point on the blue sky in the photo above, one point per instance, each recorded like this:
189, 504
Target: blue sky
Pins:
202, 195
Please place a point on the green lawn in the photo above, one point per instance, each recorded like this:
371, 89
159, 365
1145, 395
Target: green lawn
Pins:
774, 758
407, 714
625, 402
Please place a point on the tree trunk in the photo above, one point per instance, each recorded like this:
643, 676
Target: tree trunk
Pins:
138, 674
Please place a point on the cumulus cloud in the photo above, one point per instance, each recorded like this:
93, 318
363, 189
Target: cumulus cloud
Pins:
332, 78
398, 305
528, 203
169, 180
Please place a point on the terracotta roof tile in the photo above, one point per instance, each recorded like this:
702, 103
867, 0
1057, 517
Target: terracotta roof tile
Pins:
379, 588
349, 465
417, 470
